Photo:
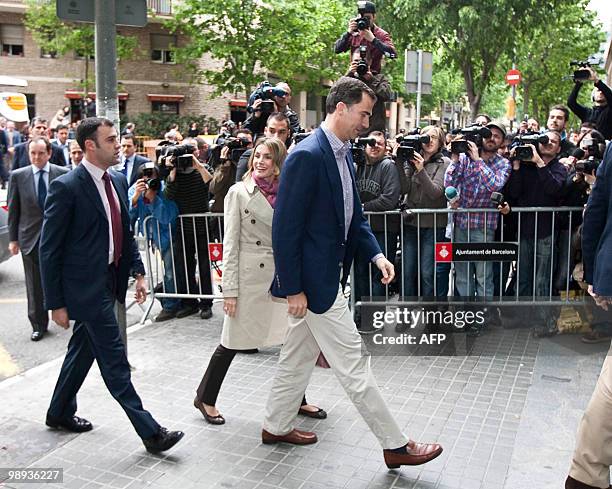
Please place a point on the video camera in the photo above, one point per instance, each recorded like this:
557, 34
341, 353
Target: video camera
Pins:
497, 198
149, 172
358, 149
589, 165
474, 133
582, 74
408, 145
524, 152
363, 23
266, 93
237, 146
180, 155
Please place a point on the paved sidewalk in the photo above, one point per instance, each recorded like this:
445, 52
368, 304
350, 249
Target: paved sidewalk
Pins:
506, 418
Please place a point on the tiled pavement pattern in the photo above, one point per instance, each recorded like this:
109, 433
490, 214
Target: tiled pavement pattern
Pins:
474, 405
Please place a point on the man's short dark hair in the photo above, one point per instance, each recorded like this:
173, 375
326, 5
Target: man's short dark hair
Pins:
562, 108
59, 127
348, 90
486, 116
38, 120
378, 133
129, 136
280, 117
588, 125
244, 130
88, 129
37, 139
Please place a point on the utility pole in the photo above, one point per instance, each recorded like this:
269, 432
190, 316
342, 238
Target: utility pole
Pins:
107, 104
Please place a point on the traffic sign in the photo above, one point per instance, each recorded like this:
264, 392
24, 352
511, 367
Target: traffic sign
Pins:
132, 13
513, 77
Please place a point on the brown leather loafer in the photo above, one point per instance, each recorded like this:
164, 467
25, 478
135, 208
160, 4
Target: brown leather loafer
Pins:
572, 483
295, 437
415, 454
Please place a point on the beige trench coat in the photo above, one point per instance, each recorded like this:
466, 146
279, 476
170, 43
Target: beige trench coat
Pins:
248, 271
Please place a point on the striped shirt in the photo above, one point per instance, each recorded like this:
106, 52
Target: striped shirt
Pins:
476, 181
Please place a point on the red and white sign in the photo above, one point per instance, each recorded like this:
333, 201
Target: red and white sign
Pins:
444, 252
513, 77
215, 251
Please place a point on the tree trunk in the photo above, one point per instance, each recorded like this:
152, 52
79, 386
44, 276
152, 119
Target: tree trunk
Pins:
474, 98
525, 98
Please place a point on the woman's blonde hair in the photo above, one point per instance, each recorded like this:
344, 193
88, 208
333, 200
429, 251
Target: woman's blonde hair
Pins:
440, 134
278, 150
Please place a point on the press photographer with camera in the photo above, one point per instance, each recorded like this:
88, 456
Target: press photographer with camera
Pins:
360, 68
537, 180
187, 186
601, 96
363, 31
147, 199
379, 186
476, 171
277, 126
424, 170
266, 100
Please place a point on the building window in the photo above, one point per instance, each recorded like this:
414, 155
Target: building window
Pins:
165, 107
11, 38
161, 48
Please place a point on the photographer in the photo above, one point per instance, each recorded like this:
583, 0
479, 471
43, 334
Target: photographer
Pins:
280, 96
377, 41
425, 175
147, 199
601, 96
557, 121
476, 175
379, 186
277, 126
537, 182
360, 68
187, 185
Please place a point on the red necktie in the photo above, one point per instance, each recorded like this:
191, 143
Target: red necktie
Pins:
115, 219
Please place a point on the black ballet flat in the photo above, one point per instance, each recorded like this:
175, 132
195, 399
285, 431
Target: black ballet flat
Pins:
320, 414
218, 419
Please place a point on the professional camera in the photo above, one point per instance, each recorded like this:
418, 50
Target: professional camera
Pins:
497, 198
524, 152
582, 74
589, 165
358, 149
471, 133
180, 155
300, 136
596, 146
266, 93
237, 146
363, 23
362, 64
410, 144
149, 173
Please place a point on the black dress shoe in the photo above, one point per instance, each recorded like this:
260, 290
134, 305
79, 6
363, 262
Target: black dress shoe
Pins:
186, 311
74, 424
320, 414
37, 336
206, 313
250, 351
164, 440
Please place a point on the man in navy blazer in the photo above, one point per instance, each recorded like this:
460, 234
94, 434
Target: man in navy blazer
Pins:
38, 127
130, 162
318, 226
87, 252
590, 467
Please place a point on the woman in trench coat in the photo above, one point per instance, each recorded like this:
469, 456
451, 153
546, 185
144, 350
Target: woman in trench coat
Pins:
252, 318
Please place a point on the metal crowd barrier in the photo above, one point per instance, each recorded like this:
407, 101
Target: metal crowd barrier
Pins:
203, 233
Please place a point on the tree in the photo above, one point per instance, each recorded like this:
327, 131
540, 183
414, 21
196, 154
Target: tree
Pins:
57, 37
290, 39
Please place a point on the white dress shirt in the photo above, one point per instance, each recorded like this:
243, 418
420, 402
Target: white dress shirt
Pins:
36, 172
96, 174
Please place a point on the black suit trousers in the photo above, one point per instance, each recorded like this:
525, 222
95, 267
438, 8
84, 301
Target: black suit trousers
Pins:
37, 313
100, 340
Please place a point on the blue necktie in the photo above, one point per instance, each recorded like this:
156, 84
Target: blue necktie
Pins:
42, 189
125, 167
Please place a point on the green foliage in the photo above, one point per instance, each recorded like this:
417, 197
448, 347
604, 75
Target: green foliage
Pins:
155, 125
290, 39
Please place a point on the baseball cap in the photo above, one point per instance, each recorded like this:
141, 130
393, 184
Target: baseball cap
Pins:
497, 125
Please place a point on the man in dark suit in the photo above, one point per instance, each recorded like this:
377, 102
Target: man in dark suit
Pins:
87, 253
130, 162
318, 227
590, 467
38, 127
62, 143
9, 137
26, 200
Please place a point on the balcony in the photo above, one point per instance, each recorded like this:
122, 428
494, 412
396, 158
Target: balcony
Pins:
161, 7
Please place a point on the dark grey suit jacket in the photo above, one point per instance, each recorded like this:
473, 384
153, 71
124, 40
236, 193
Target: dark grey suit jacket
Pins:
25, 215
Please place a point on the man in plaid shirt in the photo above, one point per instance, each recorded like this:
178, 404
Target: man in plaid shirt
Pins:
476, 175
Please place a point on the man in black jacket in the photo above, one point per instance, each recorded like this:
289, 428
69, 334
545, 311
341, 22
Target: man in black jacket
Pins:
557, 120
600, 112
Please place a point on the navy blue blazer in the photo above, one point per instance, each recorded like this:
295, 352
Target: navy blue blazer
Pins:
74, 245
308, 240
21, 157
138, 162
597, 230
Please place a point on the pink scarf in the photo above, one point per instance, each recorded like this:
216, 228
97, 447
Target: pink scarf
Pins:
268, 189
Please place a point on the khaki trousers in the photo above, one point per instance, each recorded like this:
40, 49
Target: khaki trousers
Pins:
333, 333
593, 453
